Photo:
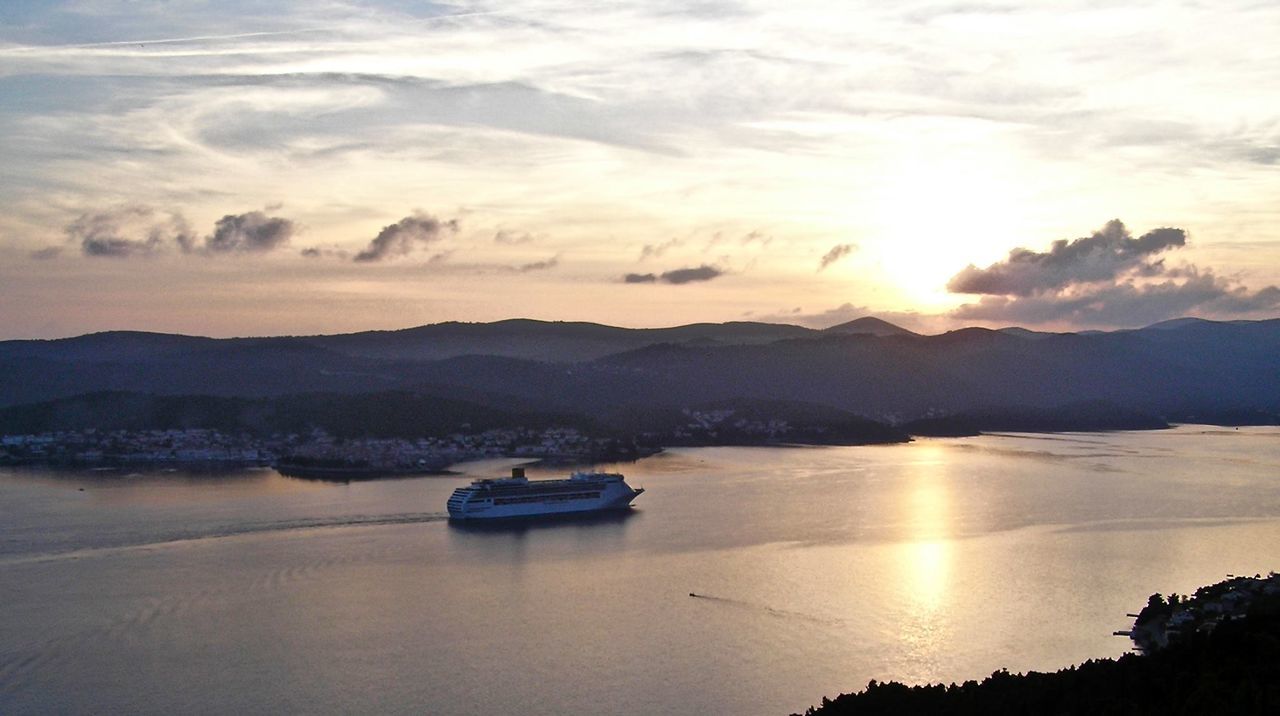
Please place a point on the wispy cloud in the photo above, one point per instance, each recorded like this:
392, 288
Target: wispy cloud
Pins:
512, 238
317, 252
143, 42
542, 265
836, 253
795, 120
48, 252
652, 251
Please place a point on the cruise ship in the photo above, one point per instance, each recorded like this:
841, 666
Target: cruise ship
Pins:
518, 496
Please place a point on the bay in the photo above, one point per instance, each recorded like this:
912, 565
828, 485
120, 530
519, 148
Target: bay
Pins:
816, 569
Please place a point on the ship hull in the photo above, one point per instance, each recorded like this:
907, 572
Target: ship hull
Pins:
613, 497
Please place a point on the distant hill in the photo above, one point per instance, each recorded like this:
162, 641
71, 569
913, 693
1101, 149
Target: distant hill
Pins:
870, 326
1177, 372
1026, 333
559, 342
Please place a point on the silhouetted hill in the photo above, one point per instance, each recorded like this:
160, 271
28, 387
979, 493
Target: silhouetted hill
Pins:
108, 346
231, 367
1175, 372
558, 341
870, 326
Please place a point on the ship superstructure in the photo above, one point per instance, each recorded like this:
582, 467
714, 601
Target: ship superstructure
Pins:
518, 496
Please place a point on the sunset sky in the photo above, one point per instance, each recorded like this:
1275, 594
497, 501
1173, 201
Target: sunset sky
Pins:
287, 167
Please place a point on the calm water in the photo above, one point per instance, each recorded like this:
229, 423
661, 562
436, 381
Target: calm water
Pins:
822, 568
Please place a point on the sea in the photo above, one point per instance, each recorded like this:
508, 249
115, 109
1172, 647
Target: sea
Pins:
744, 581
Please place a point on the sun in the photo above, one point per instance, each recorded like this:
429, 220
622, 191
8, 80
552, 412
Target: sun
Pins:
937, 214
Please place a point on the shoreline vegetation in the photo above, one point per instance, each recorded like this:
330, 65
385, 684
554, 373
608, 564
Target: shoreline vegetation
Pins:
1216, 652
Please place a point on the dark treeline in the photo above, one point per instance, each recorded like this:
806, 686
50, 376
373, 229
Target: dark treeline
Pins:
385, 414
1234, 670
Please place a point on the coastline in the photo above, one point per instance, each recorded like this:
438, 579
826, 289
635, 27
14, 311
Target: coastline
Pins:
440, 467
1231, 667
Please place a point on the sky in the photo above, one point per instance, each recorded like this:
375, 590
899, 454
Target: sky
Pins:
297, 167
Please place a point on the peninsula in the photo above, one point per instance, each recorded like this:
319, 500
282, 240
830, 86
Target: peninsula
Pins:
1216, 652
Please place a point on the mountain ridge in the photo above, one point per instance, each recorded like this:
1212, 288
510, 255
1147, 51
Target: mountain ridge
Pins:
1191, 368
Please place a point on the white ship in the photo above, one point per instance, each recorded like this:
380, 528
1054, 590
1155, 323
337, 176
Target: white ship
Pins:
517, 496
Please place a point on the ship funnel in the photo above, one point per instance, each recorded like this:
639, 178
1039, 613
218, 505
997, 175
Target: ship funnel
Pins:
517, 472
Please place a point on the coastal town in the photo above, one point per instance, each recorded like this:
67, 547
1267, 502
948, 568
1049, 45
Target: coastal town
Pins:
315, 449
1164, 621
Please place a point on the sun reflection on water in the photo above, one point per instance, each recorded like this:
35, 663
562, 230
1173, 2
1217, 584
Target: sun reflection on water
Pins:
929, 564
925, 560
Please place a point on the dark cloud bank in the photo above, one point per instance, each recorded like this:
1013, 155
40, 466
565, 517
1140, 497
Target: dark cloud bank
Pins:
128, 231
677, 276
1107, 278
254, 232
141, 231
135, 231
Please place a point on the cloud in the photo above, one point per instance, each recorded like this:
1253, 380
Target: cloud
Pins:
48, 252
1104, 256
1127, 304
253, 232
402, 237
843, 313
653, 251
836, 253
136, 230
512, 238
1109, 278
539, 265
317, 252
127, 231
705, 272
